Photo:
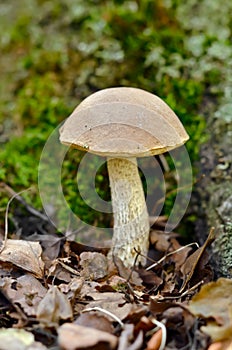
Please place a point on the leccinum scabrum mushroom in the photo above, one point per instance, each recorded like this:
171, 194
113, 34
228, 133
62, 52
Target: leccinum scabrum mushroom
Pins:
123, 124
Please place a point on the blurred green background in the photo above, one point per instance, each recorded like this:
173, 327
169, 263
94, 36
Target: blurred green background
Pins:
55, 53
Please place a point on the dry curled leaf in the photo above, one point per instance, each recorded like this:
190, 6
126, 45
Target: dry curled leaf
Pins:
75, 337
24, 254
127, 273
214, 303
112, 302
160, 240
191, 262
54, 307
50, 243
26, 290
95, 320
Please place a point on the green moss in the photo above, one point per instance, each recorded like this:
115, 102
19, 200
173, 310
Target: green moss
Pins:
55, 53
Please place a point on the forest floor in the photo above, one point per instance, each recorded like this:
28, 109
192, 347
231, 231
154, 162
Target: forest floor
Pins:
59, 294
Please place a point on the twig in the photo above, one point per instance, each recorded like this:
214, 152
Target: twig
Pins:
134, 265
6, 218
29, 208
180, 295
192, 288
96, 308
171, 253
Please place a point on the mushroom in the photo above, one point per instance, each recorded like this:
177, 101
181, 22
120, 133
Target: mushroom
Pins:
124, 123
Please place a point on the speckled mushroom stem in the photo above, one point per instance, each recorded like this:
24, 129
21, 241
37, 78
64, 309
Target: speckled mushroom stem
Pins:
131, 220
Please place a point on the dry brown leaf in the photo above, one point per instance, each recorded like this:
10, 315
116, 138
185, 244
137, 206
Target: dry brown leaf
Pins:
50, 242
61, 269
75, 337
27, 292
112, 284
24, 254
94, 265
191, 262
214, 302
160, 240
73, 288
112, 302
136, 313
157, 307
95, 320
54, 307
180, 256
127, 273
169, 284
150, 279
88, 287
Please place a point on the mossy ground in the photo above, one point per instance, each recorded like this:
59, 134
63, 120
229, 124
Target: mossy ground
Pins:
55, 53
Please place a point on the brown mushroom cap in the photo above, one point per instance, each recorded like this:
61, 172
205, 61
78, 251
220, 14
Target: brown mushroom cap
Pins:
123, 122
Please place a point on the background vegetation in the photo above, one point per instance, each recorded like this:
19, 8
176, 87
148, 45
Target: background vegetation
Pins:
55, 53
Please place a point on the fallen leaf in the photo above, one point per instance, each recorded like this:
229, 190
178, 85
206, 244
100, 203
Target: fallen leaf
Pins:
158, 307
136, 313
50, 242
73, 288
180, 256
27, 291
60, 269
173, 317
24, 254
94, 265
112, 302
112, 284
191, 262
127, 273
150, 279
95, 320
214, 303
75, 337
54, 307
78, 248
160, 240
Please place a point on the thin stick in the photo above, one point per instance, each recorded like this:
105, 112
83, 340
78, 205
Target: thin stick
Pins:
171, 253
96, 308
6, 218
181, 295
29, 208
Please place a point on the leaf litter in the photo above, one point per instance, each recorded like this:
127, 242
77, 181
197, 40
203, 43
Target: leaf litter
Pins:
74, 297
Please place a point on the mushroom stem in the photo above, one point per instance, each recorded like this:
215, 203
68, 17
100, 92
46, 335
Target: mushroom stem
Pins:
131, 220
